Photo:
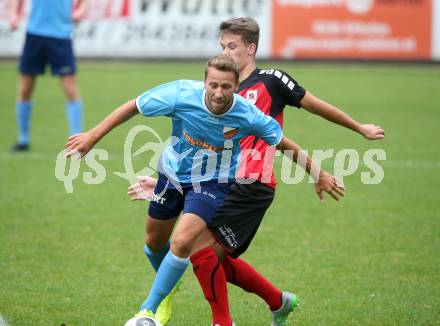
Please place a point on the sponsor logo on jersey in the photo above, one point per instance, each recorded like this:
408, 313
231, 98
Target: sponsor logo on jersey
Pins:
251, 96
229, 132
201, 143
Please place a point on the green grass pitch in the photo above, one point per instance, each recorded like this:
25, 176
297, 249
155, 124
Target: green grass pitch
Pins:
371, 259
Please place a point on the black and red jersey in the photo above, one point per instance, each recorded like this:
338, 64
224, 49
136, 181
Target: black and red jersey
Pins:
270, 90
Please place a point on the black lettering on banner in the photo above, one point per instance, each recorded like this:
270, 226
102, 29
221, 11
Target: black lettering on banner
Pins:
168, 34
194, 7
164, 5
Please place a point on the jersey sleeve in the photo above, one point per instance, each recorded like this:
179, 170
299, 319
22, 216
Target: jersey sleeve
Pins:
266, 127
160, 100
288, 88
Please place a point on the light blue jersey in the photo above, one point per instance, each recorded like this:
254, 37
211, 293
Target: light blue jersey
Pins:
51, 18
205, 146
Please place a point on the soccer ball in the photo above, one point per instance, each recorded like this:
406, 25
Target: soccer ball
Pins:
142, 321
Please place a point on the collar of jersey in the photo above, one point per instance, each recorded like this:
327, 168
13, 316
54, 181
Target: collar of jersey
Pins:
248, 80
213, 114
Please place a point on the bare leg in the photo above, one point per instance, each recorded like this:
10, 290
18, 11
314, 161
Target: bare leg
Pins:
70, 87
158, 232
185, 236
206, 239
157, 235
26, 87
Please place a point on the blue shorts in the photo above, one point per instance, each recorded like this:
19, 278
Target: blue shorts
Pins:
40, 50
167, 202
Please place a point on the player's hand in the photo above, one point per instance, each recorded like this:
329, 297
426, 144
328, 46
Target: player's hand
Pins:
330, 185
143, 189
14, 21
81, 143
371, 131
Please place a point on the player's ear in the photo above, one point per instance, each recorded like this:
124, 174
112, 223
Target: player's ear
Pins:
252, 49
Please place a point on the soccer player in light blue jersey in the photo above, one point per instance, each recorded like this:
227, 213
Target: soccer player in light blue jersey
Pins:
48, 41
199, 165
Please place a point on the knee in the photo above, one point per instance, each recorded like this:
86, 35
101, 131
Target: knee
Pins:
154, 242
71, 90
24, 93
181, 245
71, 94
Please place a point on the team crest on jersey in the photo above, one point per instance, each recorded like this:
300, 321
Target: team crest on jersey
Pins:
229, 132
251, 96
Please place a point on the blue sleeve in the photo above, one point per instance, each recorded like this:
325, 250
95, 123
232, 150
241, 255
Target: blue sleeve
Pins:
266, 128
160, 100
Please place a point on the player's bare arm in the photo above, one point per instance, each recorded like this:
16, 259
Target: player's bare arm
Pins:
83, 142
79, 11
324, 181
330, 112
14, 13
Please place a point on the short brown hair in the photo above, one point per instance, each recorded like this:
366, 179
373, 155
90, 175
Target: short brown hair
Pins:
246, 27
223, 62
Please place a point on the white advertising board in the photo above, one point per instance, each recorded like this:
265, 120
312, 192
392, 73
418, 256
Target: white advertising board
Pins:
150, 28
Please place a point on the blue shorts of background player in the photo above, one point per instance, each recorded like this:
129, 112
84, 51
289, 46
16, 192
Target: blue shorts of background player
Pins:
38, 51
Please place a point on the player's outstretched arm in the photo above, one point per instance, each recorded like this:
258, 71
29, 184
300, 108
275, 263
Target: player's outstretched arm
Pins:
143, 189
324, 181
330, 112
83, 142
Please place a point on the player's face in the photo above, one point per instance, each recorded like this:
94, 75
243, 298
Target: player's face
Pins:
220, 87
234, 46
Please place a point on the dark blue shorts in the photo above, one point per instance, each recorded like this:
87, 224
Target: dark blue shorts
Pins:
38, 51
167, 202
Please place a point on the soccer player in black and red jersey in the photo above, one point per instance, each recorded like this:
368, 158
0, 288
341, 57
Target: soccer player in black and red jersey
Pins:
238, 220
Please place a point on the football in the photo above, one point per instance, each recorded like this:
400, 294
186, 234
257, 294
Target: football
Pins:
142, 321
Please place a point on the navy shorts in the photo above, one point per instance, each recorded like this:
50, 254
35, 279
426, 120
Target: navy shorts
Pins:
38, 51
237, 221
168, 202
